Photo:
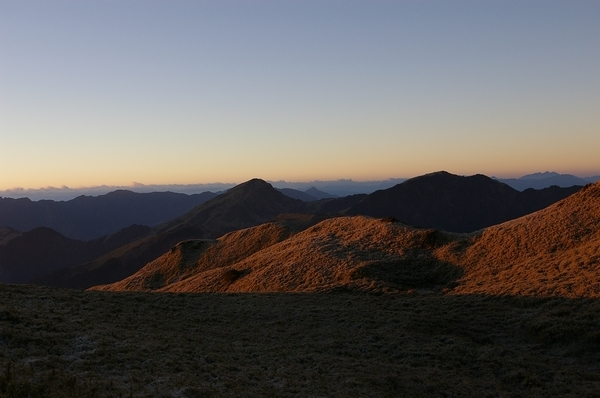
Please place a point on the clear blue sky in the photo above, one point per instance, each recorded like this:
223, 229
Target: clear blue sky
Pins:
161, 92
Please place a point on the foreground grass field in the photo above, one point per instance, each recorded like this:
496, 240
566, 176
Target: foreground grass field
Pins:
56, 343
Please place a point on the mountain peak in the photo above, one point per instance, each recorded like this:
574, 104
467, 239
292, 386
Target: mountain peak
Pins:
537, 176
247, 204
253, 184
444, 177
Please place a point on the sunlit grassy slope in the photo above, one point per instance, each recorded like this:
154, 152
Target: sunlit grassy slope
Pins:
553, 252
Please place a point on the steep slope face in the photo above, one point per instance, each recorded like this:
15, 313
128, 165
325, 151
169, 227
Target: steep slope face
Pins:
553, 252
348, 252
7, 234
191, 257
318, 194
454, 203
248, 204
37, 252
295, 194
90, 217
120, 262
251, 203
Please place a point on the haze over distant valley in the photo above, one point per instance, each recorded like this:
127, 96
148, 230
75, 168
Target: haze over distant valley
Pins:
342, 187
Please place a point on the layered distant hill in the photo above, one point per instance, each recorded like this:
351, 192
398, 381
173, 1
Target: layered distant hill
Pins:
455, 203
248, 204
552, 252
90, 217
439, 200
25, 256
308, 195
545, 180
296, 194
251, 203
330, 188
338, 188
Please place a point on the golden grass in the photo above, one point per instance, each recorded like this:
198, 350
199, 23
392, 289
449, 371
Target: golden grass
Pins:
191, 257
553, 252
511, 311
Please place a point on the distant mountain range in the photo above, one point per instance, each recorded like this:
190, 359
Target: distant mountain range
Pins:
438, 200
336, 188
90, 217
251, 203
552, 252
545, 180
342, 187
455, 203
309, 195
29, 255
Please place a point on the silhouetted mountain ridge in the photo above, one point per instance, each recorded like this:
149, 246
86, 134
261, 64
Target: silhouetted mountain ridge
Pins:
249, 204
318, 194
90, 217
455, 203
438, 200
30, 255
551, 252
295, 194
546, 180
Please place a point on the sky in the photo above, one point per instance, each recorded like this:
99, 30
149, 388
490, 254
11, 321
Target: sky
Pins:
103, 92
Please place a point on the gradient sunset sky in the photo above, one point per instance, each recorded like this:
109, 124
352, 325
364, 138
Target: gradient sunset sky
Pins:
177, 92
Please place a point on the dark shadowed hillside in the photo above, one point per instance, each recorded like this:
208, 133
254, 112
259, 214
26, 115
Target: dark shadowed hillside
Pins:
29, 255
552, 252
318, 194
122, 261
248, 204
251, 203
90, 217
334, 206
295, 194
440, 200
455, 203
